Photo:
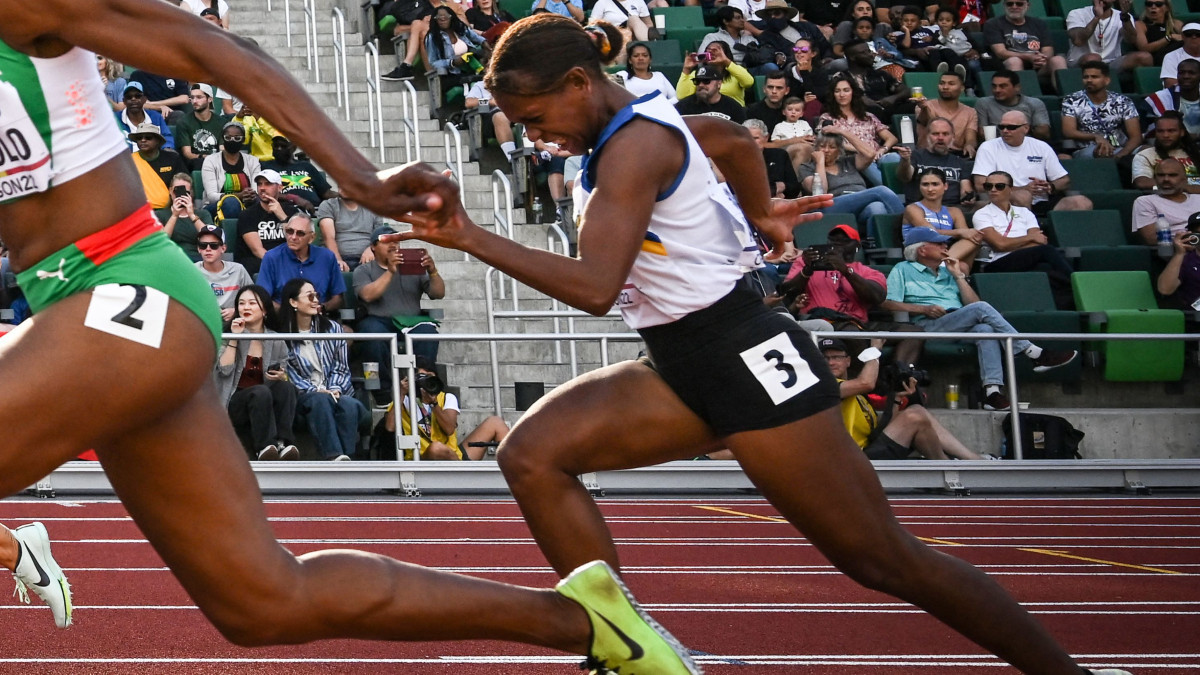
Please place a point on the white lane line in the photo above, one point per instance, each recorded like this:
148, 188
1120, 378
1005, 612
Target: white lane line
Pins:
1041, 521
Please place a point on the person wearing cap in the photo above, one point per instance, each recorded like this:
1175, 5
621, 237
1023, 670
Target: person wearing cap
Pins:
908, 426
836, 287
1190, 50
303, 184
156, 165
227, 174
135, 114
1179, 282
779, 24
260, 226
735, 80
301, 258
224, 276
169, 95
208, 9
708, 99
198, 133
182, 219
392, 297
932, 288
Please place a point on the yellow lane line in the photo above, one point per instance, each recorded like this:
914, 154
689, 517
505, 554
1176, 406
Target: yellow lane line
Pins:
773, 519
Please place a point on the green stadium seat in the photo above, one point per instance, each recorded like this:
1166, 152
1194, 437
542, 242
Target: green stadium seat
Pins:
1030, 86
1025, 300
928, 82
1067, 6
665, 51
1053, 103
891, 177
1061, 41
671, 71
817, 231
1120, 201
518, 8
1070, 80
888, 237
690, 38
198, 186
1097, 239
1095, 174
680, 17
349, 299
1037, 8
884, 269
1123, 302
1148, 80
1055, 23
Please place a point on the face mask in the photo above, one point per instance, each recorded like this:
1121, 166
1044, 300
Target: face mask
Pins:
777, 25
232, 146
282, 155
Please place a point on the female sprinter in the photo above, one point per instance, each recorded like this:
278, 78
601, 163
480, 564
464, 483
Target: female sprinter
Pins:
660, 238
122, 314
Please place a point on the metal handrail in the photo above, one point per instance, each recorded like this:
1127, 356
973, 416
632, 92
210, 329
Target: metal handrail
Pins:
502, 216
310, 39
374, 100
451, 135
287, 19
340, 72
409, 109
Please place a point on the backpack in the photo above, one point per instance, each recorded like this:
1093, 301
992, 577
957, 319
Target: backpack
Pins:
1043, 437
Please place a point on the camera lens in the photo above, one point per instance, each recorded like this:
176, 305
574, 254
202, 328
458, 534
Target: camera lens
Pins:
430, 384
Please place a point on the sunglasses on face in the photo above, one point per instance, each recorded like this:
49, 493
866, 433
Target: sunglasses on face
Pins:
1156, 4
1009, 127
296, 233
801, 50
1191, 33
995, 186
311, 296
208, 244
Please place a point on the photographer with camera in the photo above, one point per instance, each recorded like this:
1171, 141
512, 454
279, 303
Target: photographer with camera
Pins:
181, 219
1180, 281
904, 425
437, 425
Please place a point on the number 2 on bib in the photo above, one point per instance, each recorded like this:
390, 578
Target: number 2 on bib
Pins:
779, 368
129, 311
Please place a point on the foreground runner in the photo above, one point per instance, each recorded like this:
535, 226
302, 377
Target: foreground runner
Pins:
663, 240
128, 328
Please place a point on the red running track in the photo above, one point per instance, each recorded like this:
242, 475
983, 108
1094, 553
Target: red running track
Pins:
1114, 578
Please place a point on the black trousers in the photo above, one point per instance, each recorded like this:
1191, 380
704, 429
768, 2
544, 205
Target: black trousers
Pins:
1041, 258
267, 411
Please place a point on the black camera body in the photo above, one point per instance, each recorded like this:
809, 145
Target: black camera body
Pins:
430, 384
821, 263
895, 376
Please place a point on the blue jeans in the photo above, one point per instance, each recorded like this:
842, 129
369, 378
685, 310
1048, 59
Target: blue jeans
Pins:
874, 201
334, 424
874, 174
980, 317
379, 351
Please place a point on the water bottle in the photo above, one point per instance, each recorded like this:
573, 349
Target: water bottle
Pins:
537, 209
1162, 232
907, 137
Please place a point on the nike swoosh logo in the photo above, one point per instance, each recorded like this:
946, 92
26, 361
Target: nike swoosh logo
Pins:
635, 650
45, 580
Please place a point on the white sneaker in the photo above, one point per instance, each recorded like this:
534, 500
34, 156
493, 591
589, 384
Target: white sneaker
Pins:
288, 452
268, 454
37, 569
342, 458
1110, 671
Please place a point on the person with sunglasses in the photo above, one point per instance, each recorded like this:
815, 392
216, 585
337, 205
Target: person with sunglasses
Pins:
1099, 31
225, 277
301, 258
1017, 242
1158, 31
1190, 50
1022, 42
929, 212
1039, 179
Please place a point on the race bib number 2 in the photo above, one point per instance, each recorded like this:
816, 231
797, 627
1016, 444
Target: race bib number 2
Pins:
133, 312
779, 368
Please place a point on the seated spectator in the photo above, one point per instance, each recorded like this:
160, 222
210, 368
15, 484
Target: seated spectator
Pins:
780, 174
935, 153
1158, 31
198, 132
572, 9
962, 117
1170, 141
411, 17
933, 288
320, 369
631, 17
951, 37
846, 113
1007, 97
708, 99
224, 276
227, 174
1190, 50
923, 43
260, 135
839, 289
640, 76
346, 229
1017, 242
152, 186
301, 259
844, 32
113, 78
929, 212
252, 379
304, 186
905, 429
824, 14
182, 221
793, 134
450, 44
1040, 178
438, 424
888, 56
1179, 282
1182, 97
260, 227
485, 15
883, 94
391, 294
805, 82
168, 95
204, 8
779, 25
746, 50
1101, 123
769, 109
135, 114
831, 171
735, 80
214, 17
1097, 32
162, 162
1022, 42
1169, 199
551, 159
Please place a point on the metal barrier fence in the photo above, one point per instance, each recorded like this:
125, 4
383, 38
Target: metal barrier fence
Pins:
375, 101
452, 141
310, 39
409, 117
341, 75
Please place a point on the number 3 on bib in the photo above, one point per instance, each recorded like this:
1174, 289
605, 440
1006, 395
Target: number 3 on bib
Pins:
129, 311
779, 368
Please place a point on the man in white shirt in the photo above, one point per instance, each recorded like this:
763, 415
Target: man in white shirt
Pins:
1039, 178
1096, 34
1190, 50
631, 16
1171, 201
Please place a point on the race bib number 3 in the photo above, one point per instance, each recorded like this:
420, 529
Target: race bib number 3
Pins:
779, 368
128, 311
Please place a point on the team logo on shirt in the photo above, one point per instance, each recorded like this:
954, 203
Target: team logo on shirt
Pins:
1035, 159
